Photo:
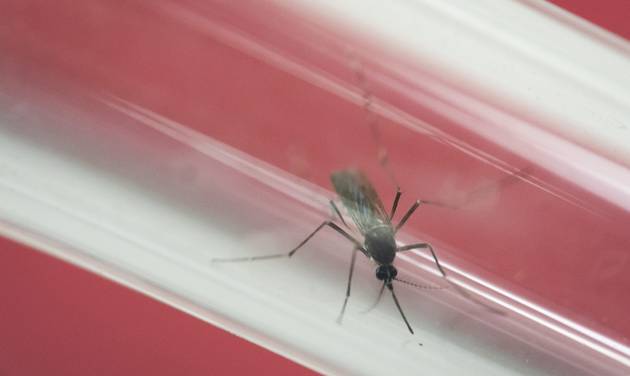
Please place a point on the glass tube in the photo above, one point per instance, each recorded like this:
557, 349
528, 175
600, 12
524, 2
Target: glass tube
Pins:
142, 141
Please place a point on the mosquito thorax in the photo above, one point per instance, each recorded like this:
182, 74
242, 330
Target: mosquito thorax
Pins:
380, 244
386, 272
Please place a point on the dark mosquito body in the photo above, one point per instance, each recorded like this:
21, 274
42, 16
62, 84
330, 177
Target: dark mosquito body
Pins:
375, 225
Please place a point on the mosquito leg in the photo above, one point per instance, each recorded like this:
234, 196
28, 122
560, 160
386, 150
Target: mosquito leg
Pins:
336, 210
333, 225
345, 302
371, 116
378, 299
423, 245
413, 209
407, 215
395, 204
391, 288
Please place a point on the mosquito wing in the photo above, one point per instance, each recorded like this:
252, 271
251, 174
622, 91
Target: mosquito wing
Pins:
360, 199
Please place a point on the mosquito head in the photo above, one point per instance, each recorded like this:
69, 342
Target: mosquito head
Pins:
386, 272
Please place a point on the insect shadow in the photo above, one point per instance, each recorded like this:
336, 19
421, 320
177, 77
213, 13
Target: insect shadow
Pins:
375, 225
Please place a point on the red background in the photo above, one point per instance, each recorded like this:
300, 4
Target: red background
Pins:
46, 331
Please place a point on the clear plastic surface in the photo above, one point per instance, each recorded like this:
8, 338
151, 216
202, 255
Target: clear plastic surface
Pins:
141, 141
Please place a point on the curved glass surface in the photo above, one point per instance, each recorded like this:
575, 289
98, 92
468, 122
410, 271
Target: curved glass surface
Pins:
142, 141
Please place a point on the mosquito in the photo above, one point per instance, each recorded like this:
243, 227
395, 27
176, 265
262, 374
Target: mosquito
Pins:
375, 225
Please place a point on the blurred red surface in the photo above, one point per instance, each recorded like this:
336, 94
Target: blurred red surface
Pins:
57, 319
609, 14
129, 49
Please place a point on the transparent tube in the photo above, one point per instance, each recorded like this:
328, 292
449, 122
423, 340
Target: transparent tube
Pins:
142, 142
